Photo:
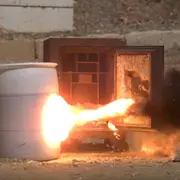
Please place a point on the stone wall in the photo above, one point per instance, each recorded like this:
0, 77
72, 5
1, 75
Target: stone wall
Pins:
119, 16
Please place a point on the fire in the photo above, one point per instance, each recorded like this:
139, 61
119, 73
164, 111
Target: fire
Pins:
112, 126
159, 144
58, 117
149, 149
113, 109
57, 120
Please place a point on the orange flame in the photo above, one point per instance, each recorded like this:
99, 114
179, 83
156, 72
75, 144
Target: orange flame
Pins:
112, 126
57, 120
58, 117
113, 109
148, 149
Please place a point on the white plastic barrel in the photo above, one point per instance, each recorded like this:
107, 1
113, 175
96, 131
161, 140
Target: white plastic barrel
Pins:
24, 89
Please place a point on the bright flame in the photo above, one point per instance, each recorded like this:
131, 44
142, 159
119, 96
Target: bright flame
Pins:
57, 120
59, 117
113, 109
112, 126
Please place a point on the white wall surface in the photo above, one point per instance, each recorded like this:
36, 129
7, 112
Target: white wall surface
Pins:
56, 15
38, 2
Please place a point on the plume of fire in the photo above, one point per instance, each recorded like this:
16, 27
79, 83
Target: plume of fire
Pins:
57, 120
58, 117
112, 127
113, 109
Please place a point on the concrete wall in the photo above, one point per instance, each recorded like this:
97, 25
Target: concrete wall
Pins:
29, 49
21, 50
36, 15
87, 19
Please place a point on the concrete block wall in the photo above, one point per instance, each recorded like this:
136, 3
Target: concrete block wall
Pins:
32, 49
21, 50
16, 51
36, 15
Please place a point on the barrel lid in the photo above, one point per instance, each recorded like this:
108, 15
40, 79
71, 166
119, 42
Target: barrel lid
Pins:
29, 64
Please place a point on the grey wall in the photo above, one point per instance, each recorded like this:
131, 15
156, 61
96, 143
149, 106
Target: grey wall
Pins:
36, 15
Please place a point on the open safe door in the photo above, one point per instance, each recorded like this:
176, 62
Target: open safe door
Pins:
139, 74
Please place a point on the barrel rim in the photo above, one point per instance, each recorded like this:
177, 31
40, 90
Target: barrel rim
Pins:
28, 64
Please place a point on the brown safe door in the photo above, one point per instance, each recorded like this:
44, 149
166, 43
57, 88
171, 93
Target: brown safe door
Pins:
82, 77
140, 74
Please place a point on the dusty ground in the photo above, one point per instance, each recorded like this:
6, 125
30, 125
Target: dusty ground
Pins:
92, 166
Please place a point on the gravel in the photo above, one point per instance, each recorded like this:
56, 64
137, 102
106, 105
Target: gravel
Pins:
92, 166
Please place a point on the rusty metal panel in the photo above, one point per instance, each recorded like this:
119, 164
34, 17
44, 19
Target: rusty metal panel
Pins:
84, 93
131, 64
105, 44
65, 85
85, 78
139, 75
133, 70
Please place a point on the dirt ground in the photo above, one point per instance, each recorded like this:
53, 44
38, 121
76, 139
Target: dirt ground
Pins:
92, 166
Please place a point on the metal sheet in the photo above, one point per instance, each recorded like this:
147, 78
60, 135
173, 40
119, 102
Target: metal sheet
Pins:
145, 64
